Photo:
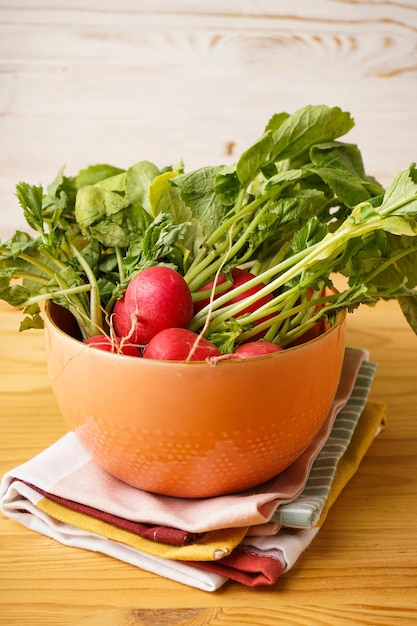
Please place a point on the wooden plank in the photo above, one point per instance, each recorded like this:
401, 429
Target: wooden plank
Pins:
360, 568
164, 81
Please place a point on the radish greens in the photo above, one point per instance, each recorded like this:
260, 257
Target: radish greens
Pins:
295, 209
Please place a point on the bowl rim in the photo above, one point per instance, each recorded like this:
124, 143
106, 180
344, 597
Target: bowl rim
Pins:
340, 319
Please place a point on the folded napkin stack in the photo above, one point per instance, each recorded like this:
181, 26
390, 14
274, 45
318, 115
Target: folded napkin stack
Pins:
251, 537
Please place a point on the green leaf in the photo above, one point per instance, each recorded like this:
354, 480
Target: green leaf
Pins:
360, 258
115, 183
284, 217
61, 191
166, 198
225, 336
15, 295
33, 318
94, 174
397, 265
340, 167
198, 191
276, 121
5, 277
401, 195
299, 205
400, 225
139, 178
347, 187
30, 199
156, 245
312, 232
345, 156
94, 203
135, 220
160, 236
408, 304
18, 243
351, 298
58, 209
308, 126
284, 178
227, 186
254, 158
110, 234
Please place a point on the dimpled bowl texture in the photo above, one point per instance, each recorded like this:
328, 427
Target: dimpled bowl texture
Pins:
193, 430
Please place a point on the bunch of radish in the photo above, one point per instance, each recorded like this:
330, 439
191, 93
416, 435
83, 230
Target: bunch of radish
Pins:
152, 319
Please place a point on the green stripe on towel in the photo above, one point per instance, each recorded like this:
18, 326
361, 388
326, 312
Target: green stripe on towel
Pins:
305, 511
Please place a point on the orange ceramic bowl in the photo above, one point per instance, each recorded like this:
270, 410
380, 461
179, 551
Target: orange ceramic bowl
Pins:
193, 429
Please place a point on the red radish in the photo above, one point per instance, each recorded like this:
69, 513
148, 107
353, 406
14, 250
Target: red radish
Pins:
239, 277
117, 345
200, 304
256, 348
156, 298
176, 344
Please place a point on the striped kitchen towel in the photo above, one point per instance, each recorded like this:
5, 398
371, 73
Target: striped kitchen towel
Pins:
305, 511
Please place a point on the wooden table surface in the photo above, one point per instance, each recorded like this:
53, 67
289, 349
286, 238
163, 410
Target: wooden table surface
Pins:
360, 569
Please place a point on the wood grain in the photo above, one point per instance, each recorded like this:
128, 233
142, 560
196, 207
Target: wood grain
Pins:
123, 81
360, 569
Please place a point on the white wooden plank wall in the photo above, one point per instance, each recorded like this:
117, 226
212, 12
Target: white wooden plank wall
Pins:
88, 81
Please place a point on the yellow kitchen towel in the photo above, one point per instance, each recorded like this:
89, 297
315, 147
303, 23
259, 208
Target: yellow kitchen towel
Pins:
372, 421
213, 545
